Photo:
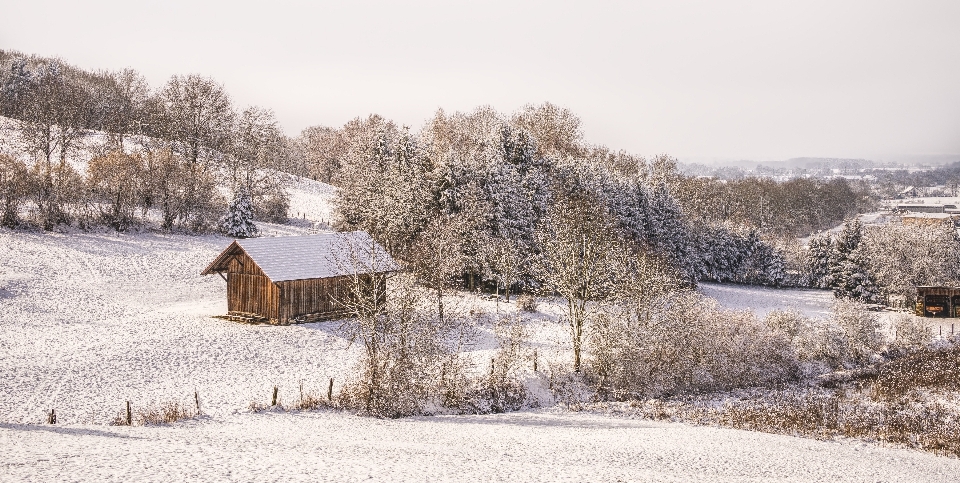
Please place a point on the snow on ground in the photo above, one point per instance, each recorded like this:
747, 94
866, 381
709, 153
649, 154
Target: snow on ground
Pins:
90, 321
525, 446
763, 300
311, 200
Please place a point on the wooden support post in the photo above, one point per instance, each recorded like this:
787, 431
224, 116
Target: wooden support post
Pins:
129, 415
330, 390
275, 390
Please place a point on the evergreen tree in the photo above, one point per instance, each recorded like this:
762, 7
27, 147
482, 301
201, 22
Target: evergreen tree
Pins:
849, 276
238, 222
818, 261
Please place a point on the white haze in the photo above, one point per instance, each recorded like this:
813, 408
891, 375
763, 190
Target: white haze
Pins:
699, 80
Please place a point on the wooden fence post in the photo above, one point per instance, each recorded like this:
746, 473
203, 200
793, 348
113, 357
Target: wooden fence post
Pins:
196, 398
534, 360
275, 389
129, 415
52, 417
330, 390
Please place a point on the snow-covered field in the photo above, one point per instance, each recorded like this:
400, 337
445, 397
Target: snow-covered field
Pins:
525, 446
90, 321
763, 300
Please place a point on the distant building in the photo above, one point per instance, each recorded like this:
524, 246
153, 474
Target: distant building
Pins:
909, 192
938, 301
297, 278
927, 208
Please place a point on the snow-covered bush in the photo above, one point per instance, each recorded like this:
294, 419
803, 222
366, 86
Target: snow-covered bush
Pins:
502, 388
911, 331
273, 208
788, 322
861, 328
685, 343
822, 345
15, 184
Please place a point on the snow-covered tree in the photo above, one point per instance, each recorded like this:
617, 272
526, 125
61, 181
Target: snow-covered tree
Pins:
849, 274
238, 222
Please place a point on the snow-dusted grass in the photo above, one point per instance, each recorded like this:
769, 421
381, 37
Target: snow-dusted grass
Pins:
526, 446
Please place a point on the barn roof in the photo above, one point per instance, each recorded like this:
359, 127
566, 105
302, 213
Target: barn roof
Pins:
309, 256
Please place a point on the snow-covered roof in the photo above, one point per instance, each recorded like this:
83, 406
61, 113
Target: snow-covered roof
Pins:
942, 216
310, 256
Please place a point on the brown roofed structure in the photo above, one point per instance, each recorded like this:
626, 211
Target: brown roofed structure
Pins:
296, 278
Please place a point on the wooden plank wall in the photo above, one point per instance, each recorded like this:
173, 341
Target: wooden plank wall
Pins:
313, 296
249, 290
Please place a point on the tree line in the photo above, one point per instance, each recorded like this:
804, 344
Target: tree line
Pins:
166, 148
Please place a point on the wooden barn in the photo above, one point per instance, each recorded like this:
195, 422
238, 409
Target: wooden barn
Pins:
938, 301
296, 278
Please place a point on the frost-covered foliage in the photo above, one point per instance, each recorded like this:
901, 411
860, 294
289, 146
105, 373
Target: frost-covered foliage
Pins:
783, 209
164, 149
902, 257
911, 331
861, 328
838, 262
412, 361
485, 176
14, 188
727, 254
238, 222
883, 263
684, 343
851, 336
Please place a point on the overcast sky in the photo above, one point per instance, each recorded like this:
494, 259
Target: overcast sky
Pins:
761, 80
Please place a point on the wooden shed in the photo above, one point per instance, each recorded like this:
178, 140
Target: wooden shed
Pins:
938, 301
296, 278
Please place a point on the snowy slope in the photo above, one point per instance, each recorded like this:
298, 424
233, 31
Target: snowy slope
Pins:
527, 446
91, 321
311, 200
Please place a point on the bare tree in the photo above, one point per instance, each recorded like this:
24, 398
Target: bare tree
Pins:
14, 187
437, 257
115, 180
198, 116
579, 243
404, 346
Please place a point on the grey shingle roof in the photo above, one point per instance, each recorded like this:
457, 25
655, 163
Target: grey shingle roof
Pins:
314, 256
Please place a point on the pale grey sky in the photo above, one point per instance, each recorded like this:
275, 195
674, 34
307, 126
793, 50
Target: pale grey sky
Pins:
760, 80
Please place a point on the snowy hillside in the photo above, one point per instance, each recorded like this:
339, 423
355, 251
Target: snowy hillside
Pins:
311, 200
526, 446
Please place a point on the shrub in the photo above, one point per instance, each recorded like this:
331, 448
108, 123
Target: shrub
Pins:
911, 331
928, 368
527, 303
163, 413
861, 327
273, 208
685, 343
